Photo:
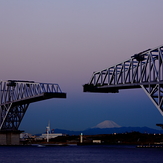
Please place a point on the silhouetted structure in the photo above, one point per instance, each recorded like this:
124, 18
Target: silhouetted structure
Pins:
160, 125
143, 70
15, 97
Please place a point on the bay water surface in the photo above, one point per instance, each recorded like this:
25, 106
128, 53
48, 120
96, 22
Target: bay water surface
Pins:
80, 154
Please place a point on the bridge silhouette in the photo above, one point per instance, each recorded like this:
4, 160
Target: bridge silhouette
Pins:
143, 70
17, 95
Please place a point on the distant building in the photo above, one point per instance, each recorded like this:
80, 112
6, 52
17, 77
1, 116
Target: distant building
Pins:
51, 135
96, 141
25, 136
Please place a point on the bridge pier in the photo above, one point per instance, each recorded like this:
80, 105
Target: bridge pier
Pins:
10, 137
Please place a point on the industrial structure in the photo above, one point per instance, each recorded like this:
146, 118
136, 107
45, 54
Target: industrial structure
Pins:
50, 134
15, 97
143, 70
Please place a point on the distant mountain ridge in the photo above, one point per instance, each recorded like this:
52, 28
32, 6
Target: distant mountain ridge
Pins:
96, 131
109, 127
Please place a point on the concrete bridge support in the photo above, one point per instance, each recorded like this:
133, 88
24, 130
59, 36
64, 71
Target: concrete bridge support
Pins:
10, 137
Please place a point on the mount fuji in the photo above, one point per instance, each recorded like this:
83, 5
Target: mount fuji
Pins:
109, 127
106, 124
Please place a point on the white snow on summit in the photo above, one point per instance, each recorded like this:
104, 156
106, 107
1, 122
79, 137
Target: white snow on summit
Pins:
106, 124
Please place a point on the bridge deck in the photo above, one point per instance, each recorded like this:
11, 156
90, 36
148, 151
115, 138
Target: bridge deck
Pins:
40, 97
105, 88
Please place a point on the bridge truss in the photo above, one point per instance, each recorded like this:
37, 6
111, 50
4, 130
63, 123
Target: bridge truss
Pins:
143, 70
15, 97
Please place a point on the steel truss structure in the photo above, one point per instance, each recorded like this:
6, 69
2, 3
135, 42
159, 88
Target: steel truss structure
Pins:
143, 70
15, 97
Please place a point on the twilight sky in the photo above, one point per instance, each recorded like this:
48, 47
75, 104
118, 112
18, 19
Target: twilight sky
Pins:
64, 42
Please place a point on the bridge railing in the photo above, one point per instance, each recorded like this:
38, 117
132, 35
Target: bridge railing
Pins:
12, 90
141, 68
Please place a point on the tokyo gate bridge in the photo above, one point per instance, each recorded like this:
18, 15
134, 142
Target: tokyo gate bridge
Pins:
15, 97
143, 70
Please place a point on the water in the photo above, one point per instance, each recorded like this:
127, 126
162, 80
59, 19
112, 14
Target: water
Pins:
80, 154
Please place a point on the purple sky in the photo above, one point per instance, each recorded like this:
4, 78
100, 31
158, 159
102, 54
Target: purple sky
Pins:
64, 42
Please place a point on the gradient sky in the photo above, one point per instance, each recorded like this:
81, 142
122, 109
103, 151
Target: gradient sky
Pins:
64, 42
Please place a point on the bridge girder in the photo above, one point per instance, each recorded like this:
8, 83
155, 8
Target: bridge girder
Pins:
143, 70
15, 97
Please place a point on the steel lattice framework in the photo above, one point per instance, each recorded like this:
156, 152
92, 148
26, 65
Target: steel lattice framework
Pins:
143, 70
15, 97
